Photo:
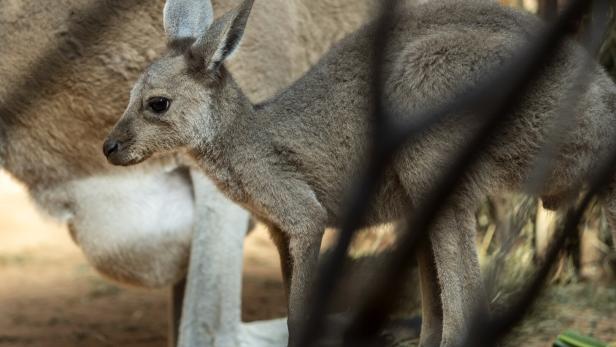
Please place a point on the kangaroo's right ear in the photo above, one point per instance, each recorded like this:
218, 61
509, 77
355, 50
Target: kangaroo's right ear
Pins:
186, 19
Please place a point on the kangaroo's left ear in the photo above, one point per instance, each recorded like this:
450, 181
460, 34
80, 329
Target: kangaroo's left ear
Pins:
186, 19
221, 39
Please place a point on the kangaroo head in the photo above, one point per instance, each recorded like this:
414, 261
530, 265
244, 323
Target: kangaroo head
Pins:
176, 101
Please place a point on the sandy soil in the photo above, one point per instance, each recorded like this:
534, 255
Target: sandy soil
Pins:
50, 297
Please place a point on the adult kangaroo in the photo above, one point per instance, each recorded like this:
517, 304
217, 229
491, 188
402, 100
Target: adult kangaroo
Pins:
63, 79
288, 160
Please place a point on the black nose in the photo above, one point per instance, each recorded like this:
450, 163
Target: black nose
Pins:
110, 147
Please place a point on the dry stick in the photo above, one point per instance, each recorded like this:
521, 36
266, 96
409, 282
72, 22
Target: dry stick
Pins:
381, 301
517, 222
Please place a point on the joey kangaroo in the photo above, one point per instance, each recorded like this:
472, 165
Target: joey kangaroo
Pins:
288, 160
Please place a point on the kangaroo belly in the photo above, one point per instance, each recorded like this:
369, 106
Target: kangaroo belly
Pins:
135, 228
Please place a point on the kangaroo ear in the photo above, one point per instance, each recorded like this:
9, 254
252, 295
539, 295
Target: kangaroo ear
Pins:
221, 39
186, 19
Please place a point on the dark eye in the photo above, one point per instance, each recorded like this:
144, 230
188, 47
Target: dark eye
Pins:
159, 104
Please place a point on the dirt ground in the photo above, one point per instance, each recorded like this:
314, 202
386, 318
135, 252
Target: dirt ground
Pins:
50, 297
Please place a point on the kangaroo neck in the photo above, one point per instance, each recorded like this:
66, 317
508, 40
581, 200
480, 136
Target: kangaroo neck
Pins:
234, 115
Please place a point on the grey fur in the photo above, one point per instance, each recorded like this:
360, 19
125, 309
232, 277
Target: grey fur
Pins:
289, 160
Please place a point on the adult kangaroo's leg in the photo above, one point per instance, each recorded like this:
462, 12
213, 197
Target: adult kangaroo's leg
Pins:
431, 306
211, 315
457, 265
